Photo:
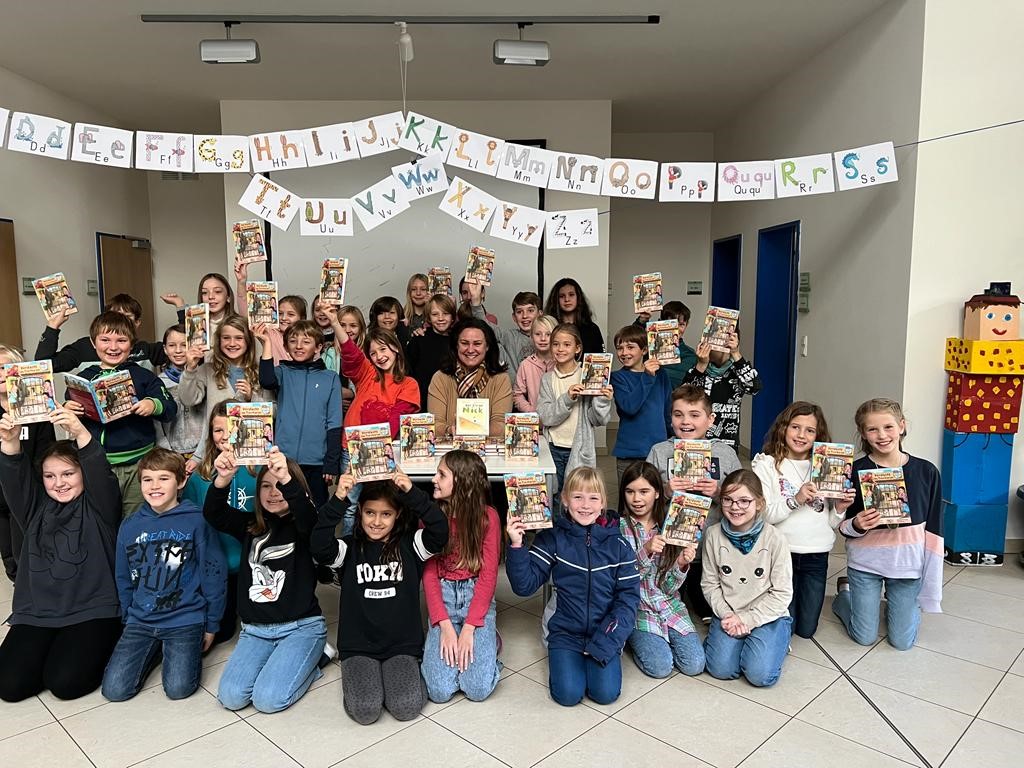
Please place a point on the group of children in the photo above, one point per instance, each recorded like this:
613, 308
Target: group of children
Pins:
141, 542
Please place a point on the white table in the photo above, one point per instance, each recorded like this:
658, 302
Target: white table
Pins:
497, 466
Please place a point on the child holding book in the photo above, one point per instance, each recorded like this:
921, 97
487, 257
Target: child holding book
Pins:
214, 290
290, 309
417, 296
905, 559
595, 573
793, 506
568, 304
383, 390
387, 313
283, 630
664, 636
517, 341
429, 346
129, 438
727, 377
462, 641
526, 388
170, 576
186, 431
642, 399
329, 354
347, 322
748, 580
676, 310
379, 566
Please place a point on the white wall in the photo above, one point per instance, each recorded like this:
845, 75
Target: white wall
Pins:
967, 215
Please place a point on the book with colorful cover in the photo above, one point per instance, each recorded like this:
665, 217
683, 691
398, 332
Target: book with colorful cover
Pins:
249, 245
472, 417
473, 443
522, 437
719, 324
480, 265
332, 281
596, 373
684, 521
439, 280
647, 292
663, 341
251, 432
54, 295
416, 437
197, 325
370, 451
261, 303
29, 391
527, 494
104, 399
832, 469
885, 489
691, 460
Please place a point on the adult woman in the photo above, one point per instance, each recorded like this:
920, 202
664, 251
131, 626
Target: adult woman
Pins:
567, 302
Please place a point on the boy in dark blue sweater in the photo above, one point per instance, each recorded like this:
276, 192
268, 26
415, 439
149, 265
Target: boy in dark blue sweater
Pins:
642, 399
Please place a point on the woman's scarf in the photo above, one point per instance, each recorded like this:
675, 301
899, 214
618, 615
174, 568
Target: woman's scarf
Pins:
470, 383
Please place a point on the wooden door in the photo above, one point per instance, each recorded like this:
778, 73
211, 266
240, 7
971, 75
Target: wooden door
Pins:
10, 286
126, 266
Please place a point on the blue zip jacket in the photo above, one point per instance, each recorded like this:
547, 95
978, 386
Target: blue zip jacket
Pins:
598, 583
644, 405
170, 569
308, 425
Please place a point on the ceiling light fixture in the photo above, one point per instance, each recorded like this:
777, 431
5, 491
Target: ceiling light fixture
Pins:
229, 51
521, 52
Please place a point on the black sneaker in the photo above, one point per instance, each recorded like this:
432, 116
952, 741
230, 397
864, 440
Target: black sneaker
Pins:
330, 654
842, 584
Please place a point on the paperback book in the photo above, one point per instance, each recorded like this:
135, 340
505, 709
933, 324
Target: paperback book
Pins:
663, 341
527, 494
472, 417
832, 469
104, 399
480, 265
439, 280
647, 292
197, 325
472, 443
885, 489
522, 437
596, 373
29, 391
54, 295
371, 452
249, 245
719, 325
261, 303
691, 460
251, 432
416, 437
332, 281
684, 521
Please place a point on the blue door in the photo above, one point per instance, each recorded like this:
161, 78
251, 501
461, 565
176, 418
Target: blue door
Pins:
778, 264
725, 272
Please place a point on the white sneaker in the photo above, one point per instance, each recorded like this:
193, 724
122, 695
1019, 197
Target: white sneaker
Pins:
330, 654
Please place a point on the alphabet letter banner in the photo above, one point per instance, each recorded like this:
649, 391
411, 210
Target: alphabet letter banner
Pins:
572, 172
687, 183
423, 177
572, 229
379, 203
222, 154
277, 151
810, 175
518, 224
475, 152
270, 201
157, 151
379, 134
468, 203
330, 144
39, 135
746, 181
630, 178
426, 136
326, 217
102, 145
525, 165
866, 166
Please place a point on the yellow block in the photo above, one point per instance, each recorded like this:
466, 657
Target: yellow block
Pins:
993, 357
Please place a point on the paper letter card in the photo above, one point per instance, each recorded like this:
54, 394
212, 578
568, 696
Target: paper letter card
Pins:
576, 173
251, 432
630, 178
105, 399
472, 417
276, 151
475, 152
647, 292
416, 437
663, 341
30, 391
519, 224
326, 217
426, 136
101, 145
746, 181
865, 166
832, 469
222, 154
423, 177
810, 175
270, 201
527, 494
468, 203
379, 134
379, 203
39, 135
197, 326
691, 460
332, 281
54, 295
597, 372
439, 280
687, 183
248, 237
371, 452
157, 151
261, 303
572, 229
330, 144
719, 324
885, 490
522, 437
684, 521
480, 265
525, 165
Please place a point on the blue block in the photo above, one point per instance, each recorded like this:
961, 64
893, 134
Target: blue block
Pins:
974, 529
976, 467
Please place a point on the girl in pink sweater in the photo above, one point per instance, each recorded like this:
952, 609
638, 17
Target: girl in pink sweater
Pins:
526, 389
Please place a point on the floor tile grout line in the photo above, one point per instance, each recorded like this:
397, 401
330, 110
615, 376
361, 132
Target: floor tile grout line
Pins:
408, 724
188, 741
77, 745
605, 719
652, 736
277, 746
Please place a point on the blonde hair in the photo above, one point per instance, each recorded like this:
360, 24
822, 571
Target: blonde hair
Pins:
877, 405
250, 360
13, 354
543, 321
587, 480
357, 313
409, 308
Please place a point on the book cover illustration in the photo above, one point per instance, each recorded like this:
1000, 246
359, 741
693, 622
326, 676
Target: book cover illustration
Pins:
371, 452
439, 280
522, 437
251, 432
480, 265
691, 460
596, 373
719, 325
29, 391
332, 281
832, 469
527, 494
473, 443
416, 437
197, 325
54, 295
885, 489
647, 292
261, 303
104, 399
248, 237
663, 341
684, 521
472, 417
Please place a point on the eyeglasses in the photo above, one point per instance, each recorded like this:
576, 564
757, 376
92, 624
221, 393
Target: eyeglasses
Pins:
741, 504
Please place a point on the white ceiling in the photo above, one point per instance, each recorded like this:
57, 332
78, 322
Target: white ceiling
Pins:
690, 72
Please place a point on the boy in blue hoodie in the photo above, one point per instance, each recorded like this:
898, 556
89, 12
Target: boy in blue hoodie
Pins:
642, 399
308, 404
171, 579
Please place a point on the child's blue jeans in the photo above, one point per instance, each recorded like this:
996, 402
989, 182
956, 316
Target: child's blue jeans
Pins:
571, 675
656, 656
857, 608
138, 652
757, 656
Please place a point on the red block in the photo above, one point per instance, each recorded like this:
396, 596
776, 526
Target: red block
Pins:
978, 403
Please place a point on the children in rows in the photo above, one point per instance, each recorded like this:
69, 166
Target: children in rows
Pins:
748, 580
417, 313
308, 404
283, 630
185, 432
642, 399
170, 575
65, 618
726, 377
793, 506
905, 559
526, 388
126, 439
692, 419
517, 341
663, 637
429, 347
595, 573
462, 641
380, 640
214, 290
388, 314
567, 304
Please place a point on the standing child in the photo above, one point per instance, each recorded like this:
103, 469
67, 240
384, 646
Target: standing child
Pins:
568, 304
526, 388
595, 573
726, 377
676, 310
461, 652
383, 390
214, 290
664, 636
642, 399
748, 580
348, 323
380, 565
793, 506
186, 431
417, 313
428, 349
905, 559
329, 354
290, 309
170, 578
387, 313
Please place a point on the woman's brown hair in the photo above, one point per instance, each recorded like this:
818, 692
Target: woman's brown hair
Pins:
467, 506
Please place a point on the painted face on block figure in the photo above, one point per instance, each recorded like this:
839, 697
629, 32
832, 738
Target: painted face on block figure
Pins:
992, 316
